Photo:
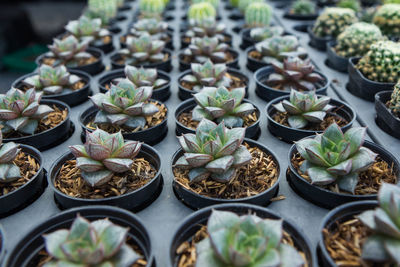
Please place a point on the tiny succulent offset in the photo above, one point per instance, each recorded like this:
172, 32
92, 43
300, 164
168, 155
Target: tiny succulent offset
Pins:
303, 7
258, 14
103, 9
394, 103
207, 27
383, 245
9, 172
201, 11
143, 77
157, 29
246, 240
103, 155
259, 34
87, 29
333, 21
96, 243
214, 151
68, 51
205, 48
220, 104
52, 80
21, 112
334, 157
387, 18
304, 108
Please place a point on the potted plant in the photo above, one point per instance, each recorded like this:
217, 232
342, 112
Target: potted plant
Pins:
159, 80
386, 18
280, 78
255, 35
242, 5
152, 9
376, 71
104, 10
335, 168
71, 87
216, 165
193, 242
117, 237
257, 14
201, 11
302, 10
387, 106
299, 115
194, 7
25, 119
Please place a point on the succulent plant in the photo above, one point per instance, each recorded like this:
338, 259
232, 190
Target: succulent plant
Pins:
207, 27
382, 62
151, 8
368, 13
68, 51
246, 240
356, 39
52, 80
259, 34
207, 74
214, 3
205, 48
143, 77
97, 243
124, 104
303, 7
243, 4
157, 29
352, 4
333, 21
9, 172
102, 9
394, 103
391, 1
334, 157
21, 111
258, 14
142, 50
387, 18
103, 155
220, 104
214, 151
234, 3
87, 29
383, 245
201, 11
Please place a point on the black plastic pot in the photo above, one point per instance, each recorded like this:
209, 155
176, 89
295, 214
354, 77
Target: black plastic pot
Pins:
186, 93
114, 29
292, 16
71, 98
233, 64
92, 69
193, 223
160, 94
362, 87
134, 201
318, 43
385, 119
196, 201
290, 135
150, 136
303, 27
268, 93
168, 45
252, 132
228, 36
340, 214
27, 193
335, 61
240, 26
2, 244
26, 251
326, 198
164, 66
51, 137
236, 15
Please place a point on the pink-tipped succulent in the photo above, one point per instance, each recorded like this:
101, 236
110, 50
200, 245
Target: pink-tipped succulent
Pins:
207, 27
205, 48
157, 29
9, 172
87, 29
68, 51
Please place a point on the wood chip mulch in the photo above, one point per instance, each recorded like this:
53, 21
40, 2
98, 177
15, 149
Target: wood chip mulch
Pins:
81, 62
188, 59
237, 82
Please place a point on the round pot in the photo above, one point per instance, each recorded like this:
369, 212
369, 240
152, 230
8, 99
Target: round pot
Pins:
28, 247
362, 87
228, 36
233, 64
268, 93
247, 41
27, 193
168, 45
340, 214
193, 223
186, 93
318, 43
253, 64
92, 69
326, 198
134, 201
335, 61
71, 98
150, 136
292, 16
385, 119
196, 201
290, 135
51, 137
252, 132
160, 94
2, 244
114, 29
303, 27
164, 66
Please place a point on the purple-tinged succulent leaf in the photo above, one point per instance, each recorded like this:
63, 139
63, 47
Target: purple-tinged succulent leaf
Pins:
241, 156
198, 174
6, 114
118, 165
315, 116
231, 121
220, 165
149, 109
129, 149
135, 122
297, 122
18, 123
341, 169
111, 108
363, 159
197, 160
314, 155
215, 112
78, 151
224, 177
320, 176
98, 178
88, 164
355, 136
42, 111
8, 152
53, 242
348, 182
97, 151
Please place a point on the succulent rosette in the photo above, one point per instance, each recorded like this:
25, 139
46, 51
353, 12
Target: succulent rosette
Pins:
9, 172
207, 27
143, 77
156, 28
262, 33
87, 29
68, 51
205, 48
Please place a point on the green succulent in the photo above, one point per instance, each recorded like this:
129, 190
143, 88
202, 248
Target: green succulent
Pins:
391, 1
102, 9
352, 4
214, 151
68, 51
157, 29
243, 4
259, 34
87, 29
394, 103
143, 77
89, 244
234, 3
151, 8
201, 11
387, 18
9, 172
214, 3
333, 21
245, 241
206, 28
303, 7
202, 49
258, 14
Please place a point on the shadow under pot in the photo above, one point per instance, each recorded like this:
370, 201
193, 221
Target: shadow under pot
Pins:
161, 94
232, 60
268, 93
361, 86
54, 132
239, 79
155, 133
302, 27
246, 175
92, 66
71, 97
138, 192
185, 124
185, 40
30, 250
385, 118
169, 42
118, 62
293, 16
21, 193
323, 196
343, 114
193, 226
319, 43
334, 61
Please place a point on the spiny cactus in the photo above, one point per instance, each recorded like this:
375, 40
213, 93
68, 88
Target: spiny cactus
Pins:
68, 51
208, 27
87, 29
205, 48
102, 9
151, 8
143, 77
394, 104
156, 28
201, 11
9, 172
214, 3
352, 4
262, 33
258, 14
243, 4
333, 21
387, 18
303, 7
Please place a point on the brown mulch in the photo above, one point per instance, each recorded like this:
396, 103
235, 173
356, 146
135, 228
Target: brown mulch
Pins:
81, 62
250, 180
282, 118
369, 182
28, 166
237, 82
189, 59
121, 61
70, 182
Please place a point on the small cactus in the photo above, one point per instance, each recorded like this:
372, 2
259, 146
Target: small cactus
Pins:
201, 11
394, 104
258, 15
151, 8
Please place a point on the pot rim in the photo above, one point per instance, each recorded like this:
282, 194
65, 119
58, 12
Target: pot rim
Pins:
359, 73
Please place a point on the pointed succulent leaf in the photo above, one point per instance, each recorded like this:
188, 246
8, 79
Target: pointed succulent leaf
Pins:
220, 165
348, 182
118, 165
198, 174
97, 178
88, 164
320, 176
